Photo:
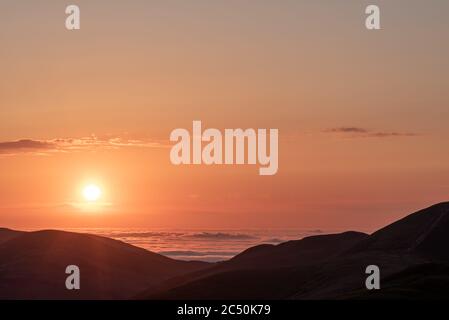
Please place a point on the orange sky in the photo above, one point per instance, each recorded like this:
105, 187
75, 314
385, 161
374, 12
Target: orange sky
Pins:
362, 116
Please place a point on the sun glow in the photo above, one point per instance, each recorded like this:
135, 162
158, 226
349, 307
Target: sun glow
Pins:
91, 193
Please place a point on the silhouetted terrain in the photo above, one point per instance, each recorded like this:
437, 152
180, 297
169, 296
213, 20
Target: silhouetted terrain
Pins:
411, 254
423, 281
7, 234
272, 263
32, 266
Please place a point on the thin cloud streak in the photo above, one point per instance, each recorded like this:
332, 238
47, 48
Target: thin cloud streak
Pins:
347, 130
25, 144
357, 132
43, 147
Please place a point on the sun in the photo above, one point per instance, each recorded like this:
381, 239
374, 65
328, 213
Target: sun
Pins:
91, 193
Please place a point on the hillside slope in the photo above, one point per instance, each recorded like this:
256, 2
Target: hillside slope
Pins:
33, 266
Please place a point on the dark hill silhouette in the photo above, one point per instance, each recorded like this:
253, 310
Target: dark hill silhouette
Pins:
239, 284
411, 254
7, 234
423, 281
309, 250
33, 266
415, 240
259, 262
402, 250
425, 232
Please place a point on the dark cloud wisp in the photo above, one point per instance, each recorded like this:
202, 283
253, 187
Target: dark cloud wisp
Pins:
357, 132
72, 144
25, 145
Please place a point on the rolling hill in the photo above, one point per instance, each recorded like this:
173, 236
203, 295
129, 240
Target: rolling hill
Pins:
411, 254
32, 266
331, 267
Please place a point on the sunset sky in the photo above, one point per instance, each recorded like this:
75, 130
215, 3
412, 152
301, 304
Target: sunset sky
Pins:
362, 115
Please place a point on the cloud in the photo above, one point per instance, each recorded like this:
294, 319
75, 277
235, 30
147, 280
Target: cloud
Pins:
74, 144
198, 253
25, 145
392, 134
347, 130
149, 234
221, 236
357, 132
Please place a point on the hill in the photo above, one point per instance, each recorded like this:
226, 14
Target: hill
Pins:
33, 266
332, 266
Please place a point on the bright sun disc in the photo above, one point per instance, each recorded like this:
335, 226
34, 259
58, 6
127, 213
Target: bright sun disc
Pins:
92, 193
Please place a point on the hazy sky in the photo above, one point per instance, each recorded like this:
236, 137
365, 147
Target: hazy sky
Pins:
362, 115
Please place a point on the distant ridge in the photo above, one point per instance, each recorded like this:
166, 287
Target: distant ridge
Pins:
424, 232
309, 250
